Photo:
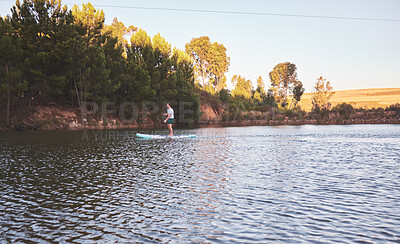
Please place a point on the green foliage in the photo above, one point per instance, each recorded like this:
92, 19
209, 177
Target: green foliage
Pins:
394, 107
344, 109
297, 92
11, 83
284, 82
155, 74
43, 29
242, 87
224, 95
119, 31
211, 62
322, 94
49, 53
260, 85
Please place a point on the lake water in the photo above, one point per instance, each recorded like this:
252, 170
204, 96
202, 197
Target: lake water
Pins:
237, 184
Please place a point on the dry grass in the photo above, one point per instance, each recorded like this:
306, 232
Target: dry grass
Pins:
365, 98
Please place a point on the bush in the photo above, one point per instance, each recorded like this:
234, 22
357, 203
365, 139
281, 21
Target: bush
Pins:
345, 110
224, 95
263, 108
394, 107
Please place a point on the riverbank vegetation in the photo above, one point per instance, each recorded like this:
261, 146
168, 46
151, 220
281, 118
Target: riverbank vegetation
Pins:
52, 55
63, 68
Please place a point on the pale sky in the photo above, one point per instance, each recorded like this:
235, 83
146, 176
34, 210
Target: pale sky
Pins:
351, 54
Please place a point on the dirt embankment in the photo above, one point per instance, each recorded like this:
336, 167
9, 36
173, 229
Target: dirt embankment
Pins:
67, 118
53, 117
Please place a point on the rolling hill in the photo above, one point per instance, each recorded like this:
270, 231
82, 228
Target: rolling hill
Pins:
365, 98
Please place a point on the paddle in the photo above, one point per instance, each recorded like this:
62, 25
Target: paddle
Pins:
165, 124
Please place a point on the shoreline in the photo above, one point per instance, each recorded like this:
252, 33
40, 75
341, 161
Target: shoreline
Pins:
204, 124
68, 118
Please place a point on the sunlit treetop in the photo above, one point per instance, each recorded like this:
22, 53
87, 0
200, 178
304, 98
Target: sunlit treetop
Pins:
89, 17
161, 44
141, 39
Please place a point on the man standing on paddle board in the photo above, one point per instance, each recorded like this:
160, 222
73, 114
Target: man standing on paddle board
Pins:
170, 119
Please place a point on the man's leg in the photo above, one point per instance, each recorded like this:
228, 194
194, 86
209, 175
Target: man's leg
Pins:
171, 133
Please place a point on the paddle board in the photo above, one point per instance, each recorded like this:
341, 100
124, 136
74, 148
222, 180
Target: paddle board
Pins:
148, 136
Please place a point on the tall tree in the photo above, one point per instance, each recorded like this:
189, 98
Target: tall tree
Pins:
283, 80
259, 93
242, 87
211, 62
118, 30
91, 76
323, 92
115, 62
161, 80
218, 66
160, 44
154, 74
44, 28
11, 82
137, 84
182, 80
141, 40
297, 92
260, 84
198, 48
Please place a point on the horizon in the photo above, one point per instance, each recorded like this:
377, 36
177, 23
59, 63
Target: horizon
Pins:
350, 53
375, 88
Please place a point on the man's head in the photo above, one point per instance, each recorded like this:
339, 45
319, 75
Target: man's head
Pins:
168, 105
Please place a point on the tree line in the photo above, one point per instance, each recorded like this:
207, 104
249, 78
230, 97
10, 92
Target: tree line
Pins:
49, 54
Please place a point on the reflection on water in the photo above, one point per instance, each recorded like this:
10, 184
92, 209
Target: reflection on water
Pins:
239, 184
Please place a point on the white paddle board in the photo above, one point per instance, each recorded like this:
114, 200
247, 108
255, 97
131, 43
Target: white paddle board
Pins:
148, 136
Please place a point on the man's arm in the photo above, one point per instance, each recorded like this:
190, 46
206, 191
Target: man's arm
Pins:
169, 115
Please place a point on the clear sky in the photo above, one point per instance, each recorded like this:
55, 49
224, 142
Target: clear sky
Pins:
350, 53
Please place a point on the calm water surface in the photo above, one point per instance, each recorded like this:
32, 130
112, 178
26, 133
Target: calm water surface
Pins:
239, 184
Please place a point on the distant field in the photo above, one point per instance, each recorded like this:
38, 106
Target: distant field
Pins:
365, 98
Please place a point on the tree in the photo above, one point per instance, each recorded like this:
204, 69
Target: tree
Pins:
159, 43
137, 85
182, 57
283, 80
44, 28
153, 74
218, 66
91, 75
257, 96
118, 30
259, 93
322, 94
10, 70
242, 87
198, 48
344, 109
140, 40
115, 61
183, 82
211, 62
260, 85
297, 92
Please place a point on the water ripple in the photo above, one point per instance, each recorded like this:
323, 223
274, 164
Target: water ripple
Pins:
230, 185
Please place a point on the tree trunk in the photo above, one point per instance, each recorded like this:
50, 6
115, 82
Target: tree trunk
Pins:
8, 98
291, 102
79, 99
203, 74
